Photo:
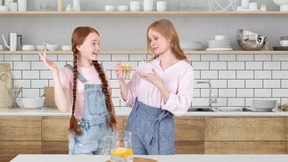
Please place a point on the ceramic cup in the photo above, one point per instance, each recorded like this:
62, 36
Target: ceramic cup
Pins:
148, 7
134, 6
161, 5
253, 6
12, 6
221, 37
245, 4
122, 8
1, 48
109, 8
148, 2
3, 8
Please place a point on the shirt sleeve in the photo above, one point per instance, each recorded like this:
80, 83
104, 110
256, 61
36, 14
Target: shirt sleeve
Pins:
65, 79
178, 103
131, 92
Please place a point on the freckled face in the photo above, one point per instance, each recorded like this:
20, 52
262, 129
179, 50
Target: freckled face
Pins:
90, 48
158, 42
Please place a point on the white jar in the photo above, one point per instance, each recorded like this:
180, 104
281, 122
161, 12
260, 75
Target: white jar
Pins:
245, 4
68, 7
12, 6
22, 5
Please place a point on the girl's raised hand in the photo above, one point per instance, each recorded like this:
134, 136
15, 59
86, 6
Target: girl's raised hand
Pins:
50, 65
152, 78
118, 70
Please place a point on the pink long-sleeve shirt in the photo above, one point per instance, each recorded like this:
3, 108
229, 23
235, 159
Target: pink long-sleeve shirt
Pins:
178, 80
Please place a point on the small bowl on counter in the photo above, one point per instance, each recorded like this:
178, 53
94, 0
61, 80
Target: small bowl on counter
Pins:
36, 102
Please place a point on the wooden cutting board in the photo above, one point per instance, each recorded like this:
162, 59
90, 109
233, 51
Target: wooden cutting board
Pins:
138, 159
5, 82
49, 96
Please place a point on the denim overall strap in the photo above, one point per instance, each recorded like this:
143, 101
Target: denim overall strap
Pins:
79, 76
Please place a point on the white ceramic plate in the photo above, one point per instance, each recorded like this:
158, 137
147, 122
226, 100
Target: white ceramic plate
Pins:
219, 49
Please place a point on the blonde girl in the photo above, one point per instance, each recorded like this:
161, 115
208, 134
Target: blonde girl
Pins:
159, 89
83, 87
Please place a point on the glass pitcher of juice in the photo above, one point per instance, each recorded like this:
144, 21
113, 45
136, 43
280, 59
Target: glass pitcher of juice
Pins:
119, 146
125, 74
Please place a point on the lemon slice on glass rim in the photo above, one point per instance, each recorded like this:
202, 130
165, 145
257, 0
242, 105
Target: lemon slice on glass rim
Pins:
121, 151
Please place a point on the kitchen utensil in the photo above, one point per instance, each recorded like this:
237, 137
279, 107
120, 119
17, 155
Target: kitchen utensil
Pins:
14, 40
119, 145
50, 47
5, 83
28, 48
264, 105
33, 102
282, 3
250, 41
280, 48
13, 96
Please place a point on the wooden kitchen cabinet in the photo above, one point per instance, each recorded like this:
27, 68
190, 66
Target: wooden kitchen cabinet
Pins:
55, 128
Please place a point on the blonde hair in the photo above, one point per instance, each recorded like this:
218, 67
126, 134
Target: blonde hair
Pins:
167, 29
78, 37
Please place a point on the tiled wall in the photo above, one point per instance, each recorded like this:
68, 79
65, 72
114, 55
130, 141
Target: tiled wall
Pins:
235, 79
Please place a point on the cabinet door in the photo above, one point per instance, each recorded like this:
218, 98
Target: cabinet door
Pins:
189, 128
55, 128
20, 128
189, 147
244, 147
9, 150
119, 123
287, 130
55, 147
245, 128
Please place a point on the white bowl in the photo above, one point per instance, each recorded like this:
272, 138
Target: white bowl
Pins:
28, 47
109, 8
284, 42
33, 102
51, 47
40, 47
264, 104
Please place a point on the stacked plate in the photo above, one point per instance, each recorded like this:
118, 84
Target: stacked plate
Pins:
191, 46
264, 105
221, 43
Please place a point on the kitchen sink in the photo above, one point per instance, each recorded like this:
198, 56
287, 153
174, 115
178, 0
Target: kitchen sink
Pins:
218, 109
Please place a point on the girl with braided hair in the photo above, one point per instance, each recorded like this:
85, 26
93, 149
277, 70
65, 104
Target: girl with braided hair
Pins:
83, 87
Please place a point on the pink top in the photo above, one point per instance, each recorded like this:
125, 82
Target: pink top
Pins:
92, 77
178, 79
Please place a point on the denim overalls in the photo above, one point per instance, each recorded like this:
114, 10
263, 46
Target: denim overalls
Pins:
94, 122
152, 130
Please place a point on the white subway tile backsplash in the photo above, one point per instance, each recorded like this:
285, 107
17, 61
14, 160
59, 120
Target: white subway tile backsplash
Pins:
236, 102
16, 74
193, 57
200, 65
51, 57
218, 65
280, 92
38, 66
110, 65
271, 65
116, 101
227, 57
227, 74
209, 57
119, 57
279, 57
284, 83
236, 65
262, 74
45, 74
21, 65
263, 93
284, 65
200, 102
245, 58
227, 93
235, 83
280, 74
50, 83
245, 92
30, 58
209, 74
104, 57
137, 57
197, 74
30, 74
1, 57
205, 92
284, 100
272, 83
39, 83
22, 83
262, 57
196, 93
218, 83
68, 57
245, 75
12, 58
253, 84
114, 84
220, 102
115, 92
253, 65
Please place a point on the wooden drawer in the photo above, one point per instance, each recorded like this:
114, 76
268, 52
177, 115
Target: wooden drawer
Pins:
245, 128
188, 147
189, 128
244, 147
55, 147
20, 128
9, 150
55, 128
287, 129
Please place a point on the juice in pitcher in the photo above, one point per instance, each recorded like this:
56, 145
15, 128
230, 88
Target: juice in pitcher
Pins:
121, 154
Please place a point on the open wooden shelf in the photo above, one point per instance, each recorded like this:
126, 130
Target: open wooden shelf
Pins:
145, 52
146, 13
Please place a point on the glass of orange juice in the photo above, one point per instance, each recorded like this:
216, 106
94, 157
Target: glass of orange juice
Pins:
125, 74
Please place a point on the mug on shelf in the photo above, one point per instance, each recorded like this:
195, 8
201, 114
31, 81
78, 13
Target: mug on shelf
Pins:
161, 5
109, 7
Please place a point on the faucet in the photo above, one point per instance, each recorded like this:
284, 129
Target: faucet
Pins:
211, 100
